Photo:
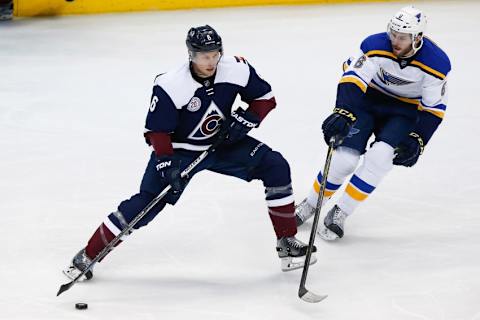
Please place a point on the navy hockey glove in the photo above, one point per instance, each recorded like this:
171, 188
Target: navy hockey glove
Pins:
236, 128
338, 125
409, 150
169, 169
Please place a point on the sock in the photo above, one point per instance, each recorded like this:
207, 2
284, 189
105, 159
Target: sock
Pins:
377, 163
99, 240
344, 162
283, 220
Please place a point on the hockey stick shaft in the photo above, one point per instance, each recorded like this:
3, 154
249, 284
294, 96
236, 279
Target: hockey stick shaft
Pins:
139, 216
302, 291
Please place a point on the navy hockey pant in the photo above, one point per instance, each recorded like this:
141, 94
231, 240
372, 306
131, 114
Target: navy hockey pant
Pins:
248, 159
389, 119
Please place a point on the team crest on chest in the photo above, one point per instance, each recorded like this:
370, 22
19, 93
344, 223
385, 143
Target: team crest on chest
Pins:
389, 79
194, 104
209, 124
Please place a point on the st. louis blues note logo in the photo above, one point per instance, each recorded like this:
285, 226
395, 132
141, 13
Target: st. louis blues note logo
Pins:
209, 124
390, 79
353, 131
194, 104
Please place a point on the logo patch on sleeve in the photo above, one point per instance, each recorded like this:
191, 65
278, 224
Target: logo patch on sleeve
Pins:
360, 62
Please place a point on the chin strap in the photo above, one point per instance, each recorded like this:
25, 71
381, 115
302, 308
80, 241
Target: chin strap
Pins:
414, 48
420, 44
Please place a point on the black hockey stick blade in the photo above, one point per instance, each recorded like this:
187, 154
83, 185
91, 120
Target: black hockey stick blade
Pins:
65, 287
309, 296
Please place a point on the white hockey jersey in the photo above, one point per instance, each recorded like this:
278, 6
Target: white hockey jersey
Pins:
420, 80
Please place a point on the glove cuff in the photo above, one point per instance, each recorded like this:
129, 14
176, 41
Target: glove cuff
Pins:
248, 119
419, 139
165, 162
345, 113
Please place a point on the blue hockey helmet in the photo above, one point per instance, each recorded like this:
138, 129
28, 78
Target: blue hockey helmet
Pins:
203, 39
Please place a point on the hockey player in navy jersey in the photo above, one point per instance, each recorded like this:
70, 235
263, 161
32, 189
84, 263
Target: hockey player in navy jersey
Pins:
394, 89
190, 108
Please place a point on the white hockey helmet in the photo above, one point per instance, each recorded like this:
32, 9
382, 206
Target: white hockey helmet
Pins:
409, 20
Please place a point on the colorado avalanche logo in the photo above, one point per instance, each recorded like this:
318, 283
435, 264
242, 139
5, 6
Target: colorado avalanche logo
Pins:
209, 124
194, 104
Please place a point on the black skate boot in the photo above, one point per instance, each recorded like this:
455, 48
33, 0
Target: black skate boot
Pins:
79, 263
333, 224
6, 11
292, 253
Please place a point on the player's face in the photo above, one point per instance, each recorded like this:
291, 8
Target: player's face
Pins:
205, 63
401, 43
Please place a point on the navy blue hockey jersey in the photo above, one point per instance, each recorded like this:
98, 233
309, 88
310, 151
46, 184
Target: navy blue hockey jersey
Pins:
192, 112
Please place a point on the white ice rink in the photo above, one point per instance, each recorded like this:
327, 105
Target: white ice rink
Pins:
74, 93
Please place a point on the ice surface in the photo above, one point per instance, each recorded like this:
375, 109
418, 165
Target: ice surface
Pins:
74, 93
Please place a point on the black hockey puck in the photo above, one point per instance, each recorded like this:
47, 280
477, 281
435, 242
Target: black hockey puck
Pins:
81, 306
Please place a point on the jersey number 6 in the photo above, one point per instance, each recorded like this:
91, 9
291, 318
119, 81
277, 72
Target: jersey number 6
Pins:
153, 104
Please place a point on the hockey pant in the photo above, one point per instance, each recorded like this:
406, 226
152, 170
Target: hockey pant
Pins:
248, 160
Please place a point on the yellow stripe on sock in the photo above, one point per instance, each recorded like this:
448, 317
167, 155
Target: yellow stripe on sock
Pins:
354, 193
316, 187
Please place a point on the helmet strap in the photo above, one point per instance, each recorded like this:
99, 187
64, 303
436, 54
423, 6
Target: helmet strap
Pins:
416, 46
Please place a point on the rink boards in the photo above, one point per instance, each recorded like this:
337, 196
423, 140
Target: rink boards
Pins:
31, 8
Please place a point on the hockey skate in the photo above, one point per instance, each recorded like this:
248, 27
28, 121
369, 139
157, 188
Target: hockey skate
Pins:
303, 212
79, 263
6, 11
291, 252
333, 224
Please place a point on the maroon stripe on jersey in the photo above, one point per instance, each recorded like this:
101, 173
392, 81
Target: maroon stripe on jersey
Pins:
161, 142
283, 220
262, 107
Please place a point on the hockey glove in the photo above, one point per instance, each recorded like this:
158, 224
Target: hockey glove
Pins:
169, 169
338, 125
236, 128
409, 150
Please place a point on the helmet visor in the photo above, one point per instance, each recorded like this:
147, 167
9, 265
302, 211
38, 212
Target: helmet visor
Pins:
209, 58
400, 38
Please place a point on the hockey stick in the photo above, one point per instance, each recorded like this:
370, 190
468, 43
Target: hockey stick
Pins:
139, 216
303, 293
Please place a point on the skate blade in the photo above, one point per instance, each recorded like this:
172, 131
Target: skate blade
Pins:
294, 263
312, 297
327, 234
72, 273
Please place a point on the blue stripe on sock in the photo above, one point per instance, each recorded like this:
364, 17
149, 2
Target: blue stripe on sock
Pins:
330, 186
361, 185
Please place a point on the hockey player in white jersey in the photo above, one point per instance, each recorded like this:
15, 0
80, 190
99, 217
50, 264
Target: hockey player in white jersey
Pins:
395, 89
